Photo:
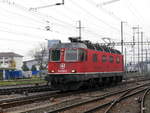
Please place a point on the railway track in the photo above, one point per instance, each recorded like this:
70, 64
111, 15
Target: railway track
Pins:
145, 106
112, 103
24, 89
9, 103
70, 106
39, 88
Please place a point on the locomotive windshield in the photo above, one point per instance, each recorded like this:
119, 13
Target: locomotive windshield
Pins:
71, 55
75, 55
55, 55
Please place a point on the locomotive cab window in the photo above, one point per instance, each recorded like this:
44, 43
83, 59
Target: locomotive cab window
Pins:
71, 55
55, 55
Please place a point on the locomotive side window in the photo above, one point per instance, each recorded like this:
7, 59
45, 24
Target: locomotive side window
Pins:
71, 55
111, 59
104, 58
117, 60
55, 55
82, 55
94, 57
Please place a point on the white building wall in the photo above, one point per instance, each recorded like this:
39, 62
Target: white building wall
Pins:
19, 63
6, 63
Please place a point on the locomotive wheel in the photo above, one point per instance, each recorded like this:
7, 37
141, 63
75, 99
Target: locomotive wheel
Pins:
92, 83
105, 81
70, 86
120, 78
76, 85
115, 80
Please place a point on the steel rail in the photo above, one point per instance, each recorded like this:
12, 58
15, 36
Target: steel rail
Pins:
37, 88
24, 100
7, 91
95, 99
116, 100
19, 101
143, 99
112, 103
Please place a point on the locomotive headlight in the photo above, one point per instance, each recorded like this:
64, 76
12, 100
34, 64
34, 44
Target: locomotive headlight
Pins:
52, 71
73, 71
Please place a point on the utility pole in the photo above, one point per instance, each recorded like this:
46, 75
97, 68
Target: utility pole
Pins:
133, 45
126, 65
138, 33
146, 62
122, 46
122, 37
63, 2
142, 52
79, 29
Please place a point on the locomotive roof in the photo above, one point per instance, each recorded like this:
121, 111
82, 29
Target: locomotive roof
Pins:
86, 46
69, 45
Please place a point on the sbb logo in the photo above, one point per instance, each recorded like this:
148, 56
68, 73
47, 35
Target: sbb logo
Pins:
62, 66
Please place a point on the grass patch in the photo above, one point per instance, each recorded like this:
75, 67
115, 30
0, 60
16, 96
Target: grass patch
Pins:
22, 81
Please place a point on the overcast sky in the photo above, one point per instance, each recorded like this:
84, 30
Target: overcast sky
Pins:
22, 28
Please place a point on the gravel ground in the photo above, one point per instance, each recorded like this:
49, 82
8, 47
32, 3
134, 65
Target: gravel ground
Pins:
53, 101
4, 97
147, 103
83, 108
129, 105
10, 96
21, 85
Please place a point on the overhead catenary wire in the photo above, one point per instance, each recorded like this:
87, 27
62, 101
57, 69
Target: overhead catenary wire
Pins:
135, 12
40, 28
23, 26
39, 14
88, 28
21, 15
92, 15
20, 33
42, 16
117, 18
47, 16
7, 30
105, 11
18, 6
20, 41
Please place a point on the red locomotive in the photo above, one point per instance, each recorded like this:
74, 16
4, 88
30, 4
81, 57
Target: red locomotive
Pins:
80, 62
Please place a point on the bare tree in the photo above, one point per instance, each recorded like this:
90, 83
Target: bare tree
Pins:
40, 54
